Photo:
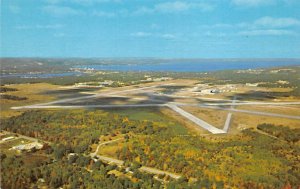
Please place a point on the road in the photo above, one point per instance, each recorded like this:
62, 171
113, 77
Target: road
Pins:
105, 158
121, 162
143, 168
4, 141
251, 103
102, 144
110, 160
229, 116
196, 120
158, 172
267, 134
227, 122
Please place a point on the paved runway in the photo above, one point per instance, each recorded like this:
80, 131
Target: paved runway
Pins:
175, 106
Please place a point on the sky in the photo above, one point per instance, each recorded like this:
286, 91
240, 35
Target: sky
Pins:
150, 28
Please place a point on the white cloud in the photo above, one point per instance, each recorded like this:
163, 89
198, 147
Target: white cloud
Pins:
270, 23
40, 26
214, 34
103, 14
61, 10
14, 9
141, 34
179, 6
262, 23
222, 25
252, 3
57, 8
276, 22
82, 2
154, 26
216, 26
58, 35
257, 3
270, 32
53, 1
95, 1
143, 10
264, 26
51, 26
168, 36
174, 7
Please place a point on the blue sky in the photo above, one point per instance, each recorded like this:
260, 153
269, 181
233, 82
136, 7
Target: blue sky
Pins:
151, 28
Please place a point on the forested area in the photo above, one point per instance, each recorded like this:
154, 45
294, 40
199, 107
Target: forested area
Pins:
232, 161
79, 172
12, 97
127, 78
73, 132
6, 89
209, 162
282, 132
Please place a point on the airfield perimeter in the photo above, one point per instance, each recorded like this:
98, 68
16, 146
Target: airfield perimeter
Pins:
198, 105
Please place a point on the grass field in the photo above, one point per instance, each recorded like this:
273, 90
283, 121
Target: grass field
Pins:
34, 95
216, 118
241, 120
37, 93
111, 149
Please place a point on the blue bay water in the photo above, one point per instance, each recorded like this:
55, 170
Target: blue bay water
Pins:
164, 67
41, 75
190, 66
